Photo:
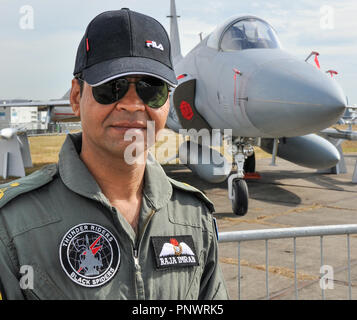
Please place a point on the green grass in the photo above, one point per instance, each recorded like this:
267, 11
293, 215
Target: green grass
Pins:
44, 150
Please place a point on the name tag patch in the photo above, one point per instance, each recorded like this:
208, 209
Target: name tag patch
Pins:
174, 251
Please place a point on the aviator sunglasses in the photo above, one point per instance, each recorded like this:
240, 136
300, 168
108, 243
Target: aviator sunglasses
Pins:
152, 91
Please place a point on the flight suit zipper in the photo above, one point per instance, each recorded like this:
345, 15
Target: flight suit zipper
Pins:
139, 285
139, 282
136, 259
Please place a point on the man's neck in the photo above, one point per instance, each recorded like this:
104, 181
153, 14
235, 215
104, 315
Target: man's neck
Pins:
117, 179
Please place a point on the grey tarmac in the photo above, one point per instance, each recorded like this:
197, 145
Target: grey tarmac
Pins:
286, 196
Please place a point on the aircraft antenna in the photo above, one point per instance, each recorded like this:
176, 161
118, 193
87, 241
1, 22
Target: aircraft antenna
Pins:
200, 34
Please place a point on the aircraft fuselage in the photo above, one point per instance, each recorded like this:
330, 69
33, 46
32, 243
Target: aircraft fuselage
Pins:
261, 92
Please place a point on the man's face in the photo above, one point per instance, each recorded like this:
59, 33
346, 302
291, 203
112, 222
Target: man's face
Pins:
104, 126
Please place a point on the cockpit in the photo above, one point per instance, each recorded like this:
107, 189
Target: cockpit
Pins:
245, 33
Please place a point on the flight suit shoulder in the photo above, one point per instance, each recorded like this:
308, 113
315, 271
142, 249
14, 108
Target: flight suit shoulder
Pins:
39, 178
198, 193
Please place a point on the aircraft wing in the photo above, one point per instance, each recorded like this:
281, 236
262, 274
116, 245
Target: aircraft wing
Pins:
42, 103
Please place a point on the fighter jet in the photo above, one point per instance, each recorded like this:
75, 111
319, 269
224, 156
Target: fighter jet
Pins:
239, 78
15, 153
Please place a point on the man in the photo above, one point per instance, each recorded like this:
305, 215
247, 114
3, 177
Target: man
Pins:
94, 226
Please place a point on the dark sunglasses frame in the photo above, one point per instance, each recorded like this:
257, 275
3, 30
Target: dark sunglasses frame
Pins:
152, 91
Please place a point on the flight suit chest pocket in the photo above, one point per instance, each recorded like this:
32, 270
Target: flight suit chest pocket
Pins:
37, 285
182, 217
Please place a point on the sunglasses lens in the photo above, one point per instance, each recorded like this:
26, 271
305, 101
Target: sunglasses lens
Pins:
153, 92
110, 92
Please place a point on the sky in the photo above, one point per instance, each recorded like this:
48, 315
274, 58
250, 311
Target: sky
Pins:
39, 38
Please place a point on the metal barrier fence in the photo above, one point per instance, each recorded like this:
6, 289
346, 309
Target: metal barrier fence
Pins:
281, 233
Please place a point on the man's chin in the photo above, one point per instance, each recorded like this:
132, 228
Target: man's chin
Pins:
131, 152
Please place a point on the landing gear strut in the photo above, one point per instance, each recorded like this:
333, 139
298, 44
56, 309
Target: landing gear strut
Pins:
237, 187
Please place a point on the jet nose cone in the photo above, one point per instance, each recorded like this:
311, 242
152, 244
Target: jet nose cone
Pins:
291, 98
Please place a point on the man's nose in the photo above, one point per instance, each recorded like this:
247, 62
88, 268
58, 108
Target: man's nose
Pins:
131, 101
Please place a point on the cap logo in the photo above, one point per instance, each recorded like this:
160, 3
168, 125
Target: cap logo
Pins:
153, 44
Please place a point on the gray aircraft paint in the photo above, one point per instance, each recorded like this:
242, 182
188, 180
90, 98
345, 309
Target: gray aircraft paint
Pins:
277, 86
311, 151
258, 93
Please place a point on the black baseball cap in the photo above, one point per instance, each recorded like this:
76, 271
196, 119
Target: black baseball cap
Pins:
124, 42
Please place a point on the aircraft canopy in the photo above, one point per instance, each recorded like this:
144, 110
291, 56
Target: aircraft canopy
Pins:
244, 33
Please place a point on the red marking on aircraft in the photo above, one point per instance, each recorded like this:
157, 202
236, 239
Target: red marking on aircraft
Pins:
236, 71
317, 61
186, 110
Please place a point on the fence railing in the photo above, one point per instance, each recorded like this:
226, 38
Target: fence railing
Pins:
283, 233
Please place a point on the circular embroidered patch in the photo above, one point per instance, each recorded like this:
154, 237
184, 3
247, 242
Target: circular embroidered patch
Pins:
89, 255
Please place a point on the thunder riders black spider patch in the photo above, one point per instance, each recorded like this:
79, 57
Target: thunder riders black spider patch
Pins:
89, 255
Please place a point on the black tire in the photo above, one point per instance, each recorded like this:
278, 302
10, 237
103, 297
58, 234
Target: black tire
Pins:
240, 197
249, 164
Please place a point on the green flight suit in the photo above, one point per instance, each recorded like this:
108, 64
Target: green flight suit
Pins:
44, 226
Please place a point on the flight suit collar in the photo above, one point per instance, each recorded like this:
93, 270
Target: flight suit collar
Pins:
76, 176
157, 188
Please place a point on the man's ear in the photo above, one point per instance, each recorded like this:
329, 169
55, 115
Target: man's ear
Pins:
75, 97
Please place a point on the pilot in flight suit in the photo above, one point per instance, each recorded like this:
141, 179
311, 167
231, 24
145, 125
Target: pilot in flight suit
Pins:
61, 224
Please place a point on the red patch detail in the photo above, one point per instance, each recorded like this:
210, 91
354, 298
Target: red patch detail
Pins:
87, 44
174, 242
186, 110
95, 250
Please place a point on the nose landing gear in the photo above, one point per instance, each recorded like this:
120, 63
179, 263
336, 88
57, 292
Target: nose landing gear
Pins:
238, 193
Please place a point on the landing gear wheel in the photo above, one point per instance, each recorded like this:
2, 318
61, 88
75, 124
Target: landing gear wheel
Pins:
240, 197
